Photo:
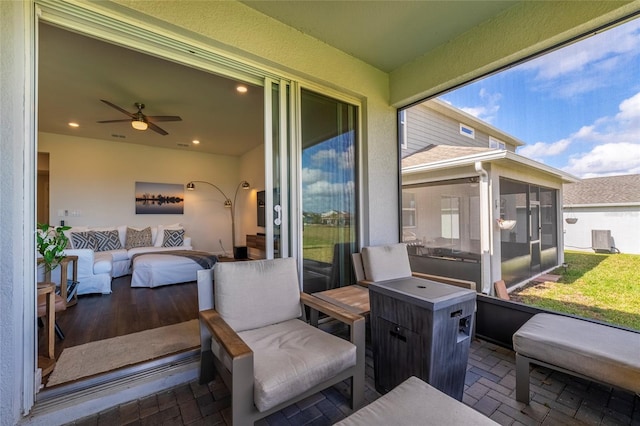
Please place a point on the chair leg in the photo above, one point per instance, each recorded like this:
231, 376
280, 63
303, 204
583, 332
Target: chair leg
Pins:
59, 332
522, 379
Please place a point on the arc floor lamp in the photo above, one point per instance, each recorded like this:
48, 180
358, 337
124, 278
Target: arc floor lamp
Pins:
239, 252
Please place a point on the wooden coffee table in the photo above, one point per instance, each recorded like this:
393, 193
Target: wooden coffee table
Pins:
353, 298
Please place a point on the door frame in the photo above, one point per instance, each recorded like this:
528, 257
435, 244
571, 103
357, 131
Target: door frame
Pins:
113, 26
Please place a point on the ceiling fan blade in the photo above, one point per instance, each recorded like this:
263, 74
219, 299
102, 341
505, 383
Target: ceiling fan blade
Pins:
124, 111
113, 121
157, 129
163, 118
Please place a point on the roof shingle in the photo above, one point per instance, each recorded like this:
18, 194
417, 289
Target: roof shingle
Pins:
603, 190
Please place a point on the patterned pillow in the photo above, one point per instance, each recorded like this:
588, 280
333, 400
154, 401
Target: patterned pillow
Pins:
173, 238
83, 240
107, 240
138, 238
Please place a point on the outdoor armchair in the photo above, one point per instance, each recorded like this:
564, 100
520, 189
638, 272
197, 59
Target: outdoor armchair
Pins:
266, 355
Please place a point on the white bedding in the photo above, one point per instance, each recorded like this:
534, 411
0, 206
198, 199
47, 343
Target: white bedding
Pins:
153, 270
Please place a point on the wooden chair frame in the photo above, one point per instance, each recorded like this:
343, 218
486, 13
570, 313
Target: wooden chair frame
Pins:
240, 378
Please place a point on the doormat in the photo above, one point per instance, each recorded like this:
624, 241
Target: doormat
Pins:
106, 355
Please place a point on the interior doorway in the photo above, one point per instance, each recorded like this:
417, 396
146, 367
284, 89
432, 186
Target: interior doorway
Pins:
42, 215
87, 167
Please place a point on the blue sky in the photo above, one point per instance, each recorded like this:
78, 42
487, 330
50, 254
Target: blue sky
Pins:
577, 108
328, 175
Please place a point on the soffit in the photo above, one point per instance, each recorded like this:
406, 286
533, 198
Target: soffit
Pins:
385, 34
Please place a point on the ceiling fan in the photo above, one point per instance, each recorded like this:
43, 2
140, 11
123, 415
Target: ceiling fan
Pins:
139, 120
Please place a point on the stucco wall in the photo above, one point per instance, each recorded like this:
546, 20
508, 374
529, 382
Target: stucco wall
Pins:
622, 221
12, 215
97, 178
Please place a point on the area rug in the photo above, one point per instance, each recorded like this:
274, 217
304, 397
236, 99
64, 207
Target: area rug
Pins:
105, 355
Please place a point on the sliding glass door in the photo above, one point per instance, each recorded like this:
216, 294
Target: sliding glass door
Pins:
328, 190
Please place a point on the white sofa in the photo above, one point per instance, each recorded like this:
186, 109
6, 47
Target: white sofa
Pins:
97, 268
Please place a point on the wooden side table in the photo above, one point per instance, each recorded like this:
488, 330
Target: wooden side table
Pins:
64, 289
46, 363
64, 279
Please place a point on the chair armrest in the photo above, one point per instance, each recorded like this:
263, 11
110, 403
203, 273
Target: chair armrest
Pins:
470, 285
223, 333
333, 311
365, 283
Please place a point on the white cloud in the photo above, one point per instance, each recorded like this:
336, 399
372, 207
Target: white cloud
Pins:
606, 160
488, 110
343, 159
610, 146
583, 67
313, 175
630, 108
593, 50
323, 196
541, 149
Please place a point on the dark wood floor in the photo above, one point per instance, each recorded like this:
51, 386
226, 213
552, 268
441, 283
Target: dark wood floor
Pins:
126, 310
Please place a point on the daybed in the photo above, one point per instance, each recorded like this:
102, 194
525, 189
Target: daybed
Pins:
105, 253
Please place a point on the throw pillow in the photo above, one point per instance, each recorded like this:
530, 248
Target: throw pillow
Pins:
138, 238
83, 240
173, 238
107, 240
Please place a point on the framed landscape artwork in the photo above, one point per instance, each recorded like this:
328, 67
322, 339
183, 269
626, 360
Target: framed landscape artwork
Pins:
159, 198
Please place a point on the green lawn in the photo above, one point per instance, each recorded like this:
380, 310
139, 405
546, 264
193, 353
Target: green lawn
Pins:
318, 241
605, 287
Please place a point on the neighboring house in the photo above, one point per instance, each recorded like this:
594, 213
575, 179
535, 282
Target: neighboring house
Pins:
231, 38
603, 214
477, 212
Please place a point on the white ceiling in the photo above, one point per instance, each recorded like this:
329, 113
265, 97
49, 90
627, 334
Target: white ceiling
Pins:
77, 71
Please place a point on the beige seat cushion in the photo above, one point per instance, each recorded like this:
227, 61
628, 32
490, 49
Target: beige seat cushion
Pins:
412, 403
291, 357
256, 293
387, 262
607, 354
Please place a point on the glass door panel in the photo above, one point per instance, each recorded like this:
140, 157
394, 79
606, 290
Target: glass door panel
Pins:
328, 191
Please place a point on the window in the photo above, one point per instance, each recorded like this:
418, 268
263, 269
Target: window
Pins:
402, 129
467, 131
496, 143
450, 217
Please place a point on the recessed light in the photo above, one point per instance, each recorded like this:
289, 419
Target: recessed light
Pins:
72, 124
242, 89
195, 142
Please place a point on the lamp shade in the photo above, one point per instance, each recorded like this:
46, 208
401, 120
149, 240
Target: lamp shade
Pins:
139, 124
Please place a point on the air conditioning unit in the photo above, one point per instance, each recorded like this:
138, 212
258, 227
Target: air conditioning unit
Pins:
601, 240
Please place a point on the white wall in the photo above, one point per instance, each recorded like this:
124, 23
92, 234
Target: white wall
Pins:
622, 221
97, 178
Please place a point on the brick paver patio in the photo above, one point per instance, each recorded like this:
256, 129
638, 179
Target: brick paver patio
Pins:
557, 399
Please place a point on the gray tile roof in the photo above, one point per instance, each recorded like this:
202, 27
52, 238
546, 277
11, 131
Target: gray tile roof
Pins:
603, 190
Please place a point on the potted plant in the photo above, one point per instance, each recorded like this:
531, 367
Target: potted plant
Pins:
51, 244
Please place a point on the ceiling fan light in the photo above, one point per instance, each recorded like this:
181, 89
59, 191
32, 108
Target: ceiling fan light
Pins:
139, 124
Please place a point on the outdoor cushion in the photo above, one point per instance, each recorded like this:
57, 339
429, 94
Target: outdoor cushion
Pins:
386, 262
257, 293
291, 357
607, 354
414, 402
